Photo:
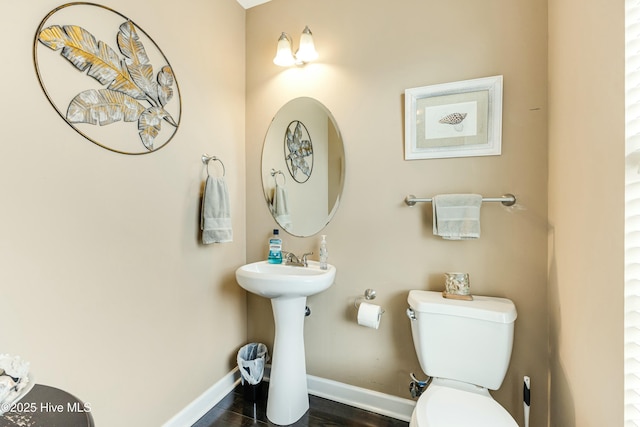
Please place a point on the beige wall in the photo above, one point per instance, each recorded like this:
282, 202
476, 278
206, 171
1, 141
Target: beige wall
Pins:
586, 211
368, 57
103, 283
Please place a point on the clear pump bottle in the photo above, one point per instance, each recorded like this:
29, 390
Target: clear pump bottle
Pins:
324, 253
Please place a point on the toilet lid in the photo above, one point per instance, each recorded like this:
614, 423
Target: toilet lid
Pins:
450, 407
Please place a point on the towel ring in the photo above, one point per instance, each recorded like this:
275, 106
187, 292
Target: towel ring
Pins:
275, 172
206, 159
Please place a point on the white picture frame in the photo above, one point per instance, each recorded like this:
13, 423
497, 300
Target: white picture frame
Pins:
459, 119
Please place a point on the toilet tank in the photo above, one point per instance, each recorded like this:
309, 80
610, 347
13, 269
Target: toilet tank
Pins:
468, 341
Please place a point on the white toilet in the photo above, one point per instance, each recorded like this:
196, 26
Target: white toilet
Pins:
465, 346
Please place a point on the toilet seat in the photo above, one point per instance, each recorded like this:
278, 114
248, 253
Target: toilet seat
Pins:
446, 406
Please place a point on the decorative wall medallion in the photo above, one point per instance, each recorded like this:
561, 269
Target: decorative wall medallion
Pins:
298, 151
128, 100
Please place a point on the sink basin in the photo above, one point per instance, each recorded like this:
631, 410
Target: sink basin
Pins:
288, 288
281, 280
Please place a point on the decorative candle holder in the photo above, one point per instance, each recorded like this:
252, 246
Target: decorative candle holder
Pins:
456, 286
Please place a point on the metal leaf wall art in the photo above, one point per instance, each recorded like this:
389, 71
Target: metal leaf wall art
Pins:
131, 90
298, 149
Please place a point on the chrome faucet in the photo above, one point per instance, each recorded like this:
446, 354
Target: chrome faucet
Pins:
291, 259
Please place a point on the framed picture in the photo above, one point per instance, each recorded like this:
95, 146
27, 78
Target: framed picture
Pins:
460, 119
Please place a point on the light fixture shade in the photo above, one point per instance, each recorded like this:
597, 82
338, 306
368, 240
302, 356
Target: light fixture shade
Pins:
307, 51
284, 55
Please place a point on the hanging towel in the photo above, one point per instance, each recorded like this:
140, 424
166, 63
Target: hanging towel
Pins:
280, 207
215, 219
457, 216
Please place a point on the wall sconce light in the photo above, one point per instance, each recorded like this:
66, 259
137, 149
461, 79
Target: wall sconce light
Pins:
306, 52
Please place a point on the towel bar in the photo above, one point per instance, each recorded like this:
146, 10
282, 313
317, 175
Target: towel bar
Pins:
506, 200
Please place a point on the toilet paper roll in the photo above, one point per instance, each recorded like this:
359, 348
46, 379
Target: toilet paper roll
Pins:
369, 315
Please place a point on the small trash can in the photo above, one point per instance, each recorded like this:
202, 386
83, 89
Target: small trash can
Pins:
251, 360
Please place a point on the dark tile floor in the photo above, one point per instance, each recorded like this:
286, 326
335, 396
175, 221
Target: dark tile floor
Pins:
235, 410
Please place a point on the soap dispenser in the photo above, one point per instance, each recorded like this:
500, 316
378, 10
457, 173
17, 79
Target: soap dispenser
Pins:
324, 253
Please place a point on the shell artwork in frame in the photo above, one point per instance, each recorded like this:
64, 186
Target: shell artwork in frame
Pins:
126, 97
455, 120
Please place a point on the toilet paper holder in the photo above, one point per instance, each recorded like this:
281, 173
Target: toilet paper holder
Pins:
369, 294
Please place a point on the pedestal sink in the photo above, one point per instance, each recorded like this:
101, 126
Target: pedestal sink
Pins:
288, 288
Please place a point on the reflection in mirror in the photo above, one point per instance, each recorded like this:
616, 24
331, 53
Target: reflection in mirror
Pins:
299, 151
303, 167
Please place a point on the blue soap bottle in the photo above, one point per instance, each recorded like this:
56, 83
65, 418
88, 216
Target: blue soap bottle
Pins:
275, 248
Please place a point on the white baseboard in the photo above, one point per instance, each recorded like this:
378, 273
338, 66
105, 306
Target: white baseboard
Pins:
369, 400
358, 397
207, 400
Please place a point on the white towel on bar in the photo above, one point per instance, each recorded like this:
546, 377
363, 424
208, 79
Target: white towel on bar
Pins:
215, 221
280, 207
457, 216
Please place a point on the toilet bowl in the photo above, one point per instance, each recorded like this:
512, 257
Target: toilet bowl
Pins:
446, 404
465, 347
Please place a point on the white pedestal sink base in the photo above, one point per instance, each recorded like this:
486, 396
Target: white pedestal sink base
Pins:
288, 288
288, 398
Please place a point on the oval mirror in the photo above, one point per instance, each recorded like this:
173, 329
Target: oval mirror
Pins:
303, 167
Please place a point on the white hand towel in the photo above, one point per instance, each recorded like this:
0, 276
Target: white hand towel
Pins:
457, 216
280, 207
215, 220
